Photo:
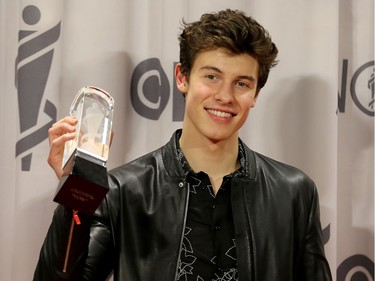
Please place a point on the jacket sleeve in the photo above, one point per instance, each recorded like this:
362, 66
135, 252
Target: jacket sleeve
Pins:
90, 246
315, 263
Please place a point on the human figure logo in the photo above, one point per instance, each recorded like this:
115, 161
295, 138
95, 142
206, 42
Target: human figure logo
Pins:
32, 68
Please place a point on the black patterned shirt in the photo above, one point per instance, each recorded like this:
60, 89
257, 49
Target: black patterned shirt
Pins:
209, 248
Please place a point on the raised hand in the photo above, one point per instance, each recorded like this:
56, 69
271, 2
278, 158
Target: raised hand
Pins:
60, 132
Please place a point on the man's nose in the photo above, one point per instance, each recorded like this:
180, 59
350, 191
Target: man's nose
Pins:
225, 94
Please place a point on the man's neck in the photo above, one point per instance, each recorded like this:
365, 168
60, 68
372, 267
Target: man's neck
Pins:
216, 159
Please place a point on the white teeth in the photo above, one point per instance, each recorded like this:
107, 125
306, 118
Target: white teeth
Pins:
219, 113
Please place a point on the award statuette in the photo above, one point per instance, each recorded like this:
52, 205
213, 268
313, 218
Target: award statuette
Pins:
85, 182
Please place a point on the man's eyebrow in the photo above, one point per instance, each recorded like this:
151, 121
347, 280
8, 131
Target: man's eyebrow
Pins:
214, 68
247, 77
209, 67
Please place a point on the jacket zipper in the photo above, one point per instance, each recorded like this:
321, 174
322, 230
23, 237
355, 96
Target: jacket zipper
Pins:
75, 220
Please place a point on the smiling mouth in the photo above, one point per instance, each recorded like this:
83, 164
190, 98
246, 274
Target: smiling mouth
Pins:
220, 113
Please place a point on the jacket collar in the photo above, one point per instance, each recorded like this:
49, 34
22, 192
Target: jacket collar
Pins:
173, 167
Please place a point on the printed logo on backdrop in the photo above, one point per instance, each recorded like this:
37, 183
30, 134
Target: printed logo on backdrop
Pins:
150, 91
32, 68
356, 268
362, 87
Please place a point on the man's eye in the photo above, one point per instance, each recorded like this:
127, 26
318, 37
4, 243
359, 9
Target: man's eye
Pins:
210, 76
242, 84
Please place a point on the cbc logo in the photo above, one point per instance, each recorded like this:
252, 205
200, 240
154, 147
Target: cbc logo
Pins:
362, 88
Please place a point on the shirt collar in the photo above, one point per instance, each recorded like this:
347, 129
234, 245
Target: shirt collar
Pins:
189, 171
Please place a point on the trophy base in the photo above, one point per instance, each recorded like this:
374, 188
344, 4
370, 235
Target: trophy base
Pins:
83, 185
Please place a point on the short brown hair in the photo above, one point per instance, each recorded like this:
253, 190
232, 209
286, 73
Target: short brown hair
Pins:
231, 30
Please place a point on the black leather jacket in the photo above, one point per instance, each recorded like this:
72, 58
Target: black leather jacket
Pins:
138, 230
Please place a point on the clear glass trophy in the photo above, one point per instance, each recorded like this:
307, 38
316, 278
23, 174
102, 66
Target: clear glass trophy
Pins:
84, 182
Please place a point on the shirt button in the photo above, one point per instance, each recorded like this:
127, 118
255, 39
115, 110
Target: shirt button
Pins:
217, 227
181, 184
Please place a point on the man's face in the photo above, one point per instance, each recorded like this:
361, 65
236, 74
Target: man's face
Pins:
220, 91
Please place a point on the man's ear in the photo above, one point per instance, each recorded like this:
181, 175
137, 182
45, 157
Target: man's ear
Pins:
181, 81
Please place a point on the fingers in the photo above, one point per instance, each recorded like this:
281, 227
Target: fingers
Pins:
60, 132
62, 127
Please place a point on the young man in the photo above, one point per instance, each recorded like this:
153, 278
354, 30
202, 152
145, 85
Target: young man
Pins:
204, 206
